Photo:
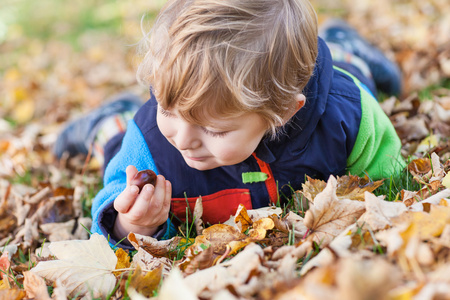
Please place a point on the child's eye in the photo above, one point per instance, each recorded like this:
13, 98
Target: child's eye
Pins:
164, 112
215, 133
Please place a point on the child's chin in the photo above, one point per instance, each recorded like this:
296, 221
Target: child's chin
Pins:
200, 165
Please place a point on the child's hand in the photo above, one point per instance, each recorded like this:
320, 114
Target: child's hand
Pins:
142, 212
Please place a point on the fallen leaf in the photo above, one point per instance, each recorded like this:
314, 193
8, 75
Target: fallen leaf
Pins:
379, 212
148, 262
347, 187
197, 259
182, 291
242, 218
5, 264
148, 284
82, 266
198, 213
330, 215
425, 225
35, 286
165, 248
123, 260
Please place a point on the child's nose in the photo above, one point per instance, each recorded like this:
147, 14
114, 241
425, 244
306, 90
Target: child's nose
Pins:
187, 137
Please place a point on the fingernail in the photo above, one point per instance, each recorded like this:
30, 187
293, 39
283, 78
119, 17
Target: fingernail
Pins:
148, 187
134, 189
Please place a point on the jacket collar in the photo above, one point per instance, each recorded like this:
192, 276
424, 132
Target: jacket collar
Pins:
303, 123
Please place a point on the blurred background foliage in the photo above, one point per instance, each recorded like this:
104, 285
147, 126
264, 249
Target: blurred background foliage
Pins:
60, 58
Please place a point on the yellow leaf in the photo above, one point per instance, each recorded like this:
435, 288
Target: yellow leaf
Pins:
266, 224
24, 111
146, 284
429, 142
123, 259
446, 181
425, 225
3, 285
242, 218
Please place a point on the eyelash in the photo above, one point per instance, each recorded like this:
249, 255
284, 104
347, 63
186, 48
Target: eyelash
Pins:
167, 114
164, 112
215, 134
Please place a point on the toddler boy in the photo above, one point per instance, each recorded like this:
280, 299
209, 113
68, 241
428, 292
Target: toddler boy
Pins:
245, 101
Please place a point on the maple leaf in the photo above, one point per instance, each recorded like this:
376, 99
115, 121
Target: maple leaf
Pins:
83, 267
330, 215
347, 187
379, 212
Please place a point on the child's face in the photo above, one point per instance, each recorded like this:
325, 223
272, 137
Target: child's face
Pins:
229, 142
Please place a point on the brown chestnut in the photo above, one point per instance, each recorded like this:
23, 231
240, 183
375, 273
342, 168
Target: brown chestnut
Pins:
143, 177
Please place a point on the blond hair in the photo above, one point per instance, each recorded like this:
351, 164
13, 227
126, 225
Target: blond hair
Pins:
229, 57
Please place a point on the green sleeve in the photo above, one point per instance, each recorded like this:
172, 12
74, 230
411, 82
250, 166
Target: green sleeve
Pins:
377, 148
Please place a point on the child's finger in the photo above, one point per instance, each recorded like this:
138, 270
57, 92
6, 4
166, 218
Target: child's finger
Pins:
167, 197
126, 199
142, 204
130, 171
159, 197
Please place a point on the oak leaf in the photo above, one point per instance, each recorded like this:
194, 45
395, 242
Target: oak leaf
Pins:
83, 267
329, 215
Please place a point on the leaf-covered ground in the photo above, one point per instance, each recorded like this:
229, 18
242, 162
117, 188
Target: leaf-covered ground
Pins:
59, 60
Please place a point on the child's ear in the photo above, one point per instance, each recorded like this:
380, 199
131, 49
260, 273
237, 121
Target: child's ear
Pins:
300, 102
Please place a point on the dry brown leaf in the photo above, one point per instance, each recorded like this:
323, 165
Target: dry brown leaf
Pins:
420, 166
182, 291
146, 284
330, 216
218, 236
198, 213
235, 272
148, 262
35, 286
166, 248
379, 212
242, 219
197, 259
347, 187
82, 266
264, 212
375, 277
